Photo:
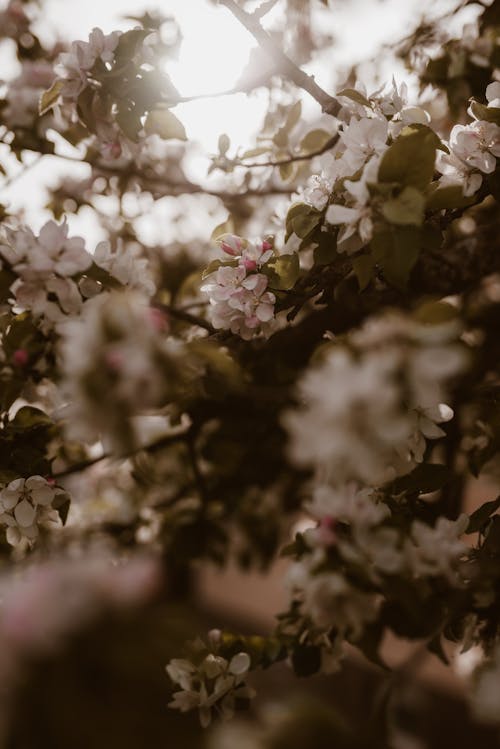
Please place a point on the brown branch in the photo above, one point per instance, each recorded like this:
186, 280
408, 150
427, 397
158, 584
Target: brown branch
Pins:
299, 157
285, 65
164, 441
181, 314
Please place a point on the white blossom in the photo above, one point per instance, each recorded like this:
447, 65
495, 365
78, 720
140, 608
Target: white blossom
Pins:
24, 505
213, 685
116, 360
436, 551
331, 601
477, 144
75, 65
351, 420
126, 265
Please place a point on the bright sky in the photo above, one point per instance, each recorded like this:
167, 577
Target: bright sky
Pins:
215, 51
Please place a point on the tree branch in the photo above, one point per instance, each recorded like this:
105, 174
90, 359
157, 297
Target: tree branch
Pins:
164, 441
299, 157
328, 103
181, 314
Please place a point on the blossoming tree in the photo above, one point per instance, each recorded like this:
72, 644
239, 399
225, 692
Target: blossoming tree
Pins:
166, 406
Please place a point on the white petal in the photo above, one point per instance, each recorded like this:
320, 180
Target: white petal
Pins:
239, 664
25, 513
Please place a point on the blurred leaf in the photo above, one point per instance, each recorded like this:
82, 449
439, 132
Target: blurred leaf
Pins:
363, 266
410, 159
50, 97
357, 96
164, 123
314, 140
405, 209
224, 144
481, 516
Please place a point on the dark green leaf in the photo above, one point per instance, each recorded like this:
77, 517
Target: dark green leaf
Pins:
481, 516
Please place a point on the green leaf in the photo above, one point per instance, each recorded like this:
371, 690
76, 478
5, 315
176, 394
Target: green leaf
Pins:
363, 266
405, 209
85, 108
314, 140
397, 250
433, 313
326, 251
211, 267
252, 152
62, 504
425, 478
448, 198
287, 269
226, 227
351, 93
164, 123
287, 171
129, 121
481, 516
50, 97
482, 112
301, 220
410, 159
28, 417
224, 144
129, 43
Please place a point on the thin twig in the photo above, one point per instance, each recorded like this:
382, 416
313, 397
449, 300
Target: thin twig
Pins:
299, 157
285, 65
173, 189
151, 447
181, 314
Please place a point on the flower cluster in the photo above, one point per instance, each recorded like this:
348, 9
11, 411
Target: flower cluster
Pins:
75, 67
366, 412
213, 685
370, 124
238, 291
473, 149
125, 263
350, 191
25, 505
338, 582
117, 361
45, 266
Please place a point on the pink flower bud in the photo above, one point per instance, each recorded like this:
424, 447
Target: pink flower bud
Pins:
266, 245
158, 319
20, 357
250, 264
326, 531
114, 360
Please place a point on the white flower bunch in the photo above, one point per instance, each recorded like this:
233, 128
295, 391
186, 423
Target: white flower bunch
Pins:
75, 67
474, 149
25, 504
238, 292
212, 686
116, 359
371, 122
45, 265
365, 416
126, 265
